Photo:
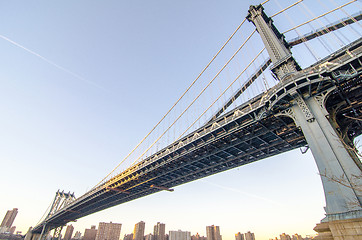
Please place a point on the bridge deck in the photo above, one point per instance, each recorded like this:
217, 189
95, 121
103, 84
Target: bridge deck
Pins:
249, 133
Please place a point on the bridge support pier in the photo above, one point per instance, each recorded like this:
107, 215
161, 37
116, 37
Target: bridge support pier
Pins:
29, 234
339, 167
350, 229
341, 176
340, 173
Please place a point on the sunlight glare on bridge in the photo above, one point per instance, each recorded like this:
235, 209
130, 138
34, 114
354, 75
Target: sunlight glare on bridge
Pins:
239, 71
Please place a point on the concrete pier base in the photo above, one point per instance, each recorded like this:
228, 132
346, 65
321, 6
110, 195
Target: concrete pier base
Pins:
350, 229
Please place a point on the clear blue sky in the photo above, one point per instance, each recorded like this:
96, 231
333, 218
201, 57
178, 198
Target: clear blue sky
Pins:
99, 76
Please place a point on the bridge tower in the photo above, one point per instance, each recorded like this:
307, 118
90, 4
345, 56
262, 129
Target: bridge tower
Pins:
61, 200
339, 167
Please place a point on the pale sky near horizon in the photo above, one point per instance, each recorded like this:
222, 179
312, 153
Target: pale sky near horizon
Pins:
82, 82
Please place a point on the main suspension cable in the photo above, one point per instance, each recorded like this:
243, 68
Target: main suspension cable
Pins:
324, 14
251, 62
212, 80
193, 83
304, 40
324, 44
341, 21
351, 17
296, 3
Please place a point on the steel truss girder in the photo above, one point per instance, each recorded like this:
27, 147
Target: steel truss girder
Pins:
258, 111
250, 154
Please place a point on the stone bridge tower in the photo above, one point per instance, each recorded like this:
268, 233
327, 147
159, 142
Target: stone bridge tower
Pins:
340, 168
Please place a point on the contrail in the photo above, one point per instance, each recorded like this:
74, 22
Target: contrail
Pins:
51, 63
244, 193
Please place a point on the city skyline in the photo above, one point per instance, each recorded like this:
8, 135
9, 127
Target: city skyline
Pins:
77, 85
112, 231
108, 231
9, 218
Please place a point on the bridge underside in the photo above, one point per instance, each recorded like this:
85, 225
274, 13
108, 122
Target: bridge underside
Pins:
227, 148
251, 132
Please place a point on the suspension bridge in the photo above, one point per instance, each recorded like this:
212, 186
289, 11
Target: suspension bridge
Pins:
272, 104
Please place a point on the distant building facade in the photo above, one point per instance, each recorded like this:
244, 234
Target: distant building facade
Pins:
198, 237
128, 236
90, 234
179, 235
213, 233
297, 237
77, 235
239, 236
69, 232
108, 231
249, 236
159, 231
284, 236
8, 220
12, 229
149, 237
139, 231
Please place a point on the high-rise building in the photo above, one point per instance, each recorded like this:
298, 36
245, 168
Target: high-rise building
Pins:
139, 231
284, 236
77, 235
8, 220
249, 236
69, 232
149, 237
90, 234
179, 235
108, 231
198, 237
128, 236
239, 236
12, 229
213, 233
297, 237
159, 231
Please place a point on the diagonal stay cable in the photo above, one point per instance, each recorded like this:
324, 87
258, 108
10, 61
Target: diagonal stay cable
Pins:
296, 3
232, 57
222, 93
243, 88
324, 14
193, 83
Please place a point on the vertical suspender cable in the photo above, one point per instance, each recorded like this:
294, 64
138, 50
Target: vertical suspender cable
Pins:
207, 66
252, 61
351, 17
325, 45
232, 57
296, 3
341, 21
303, 38
324, 14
